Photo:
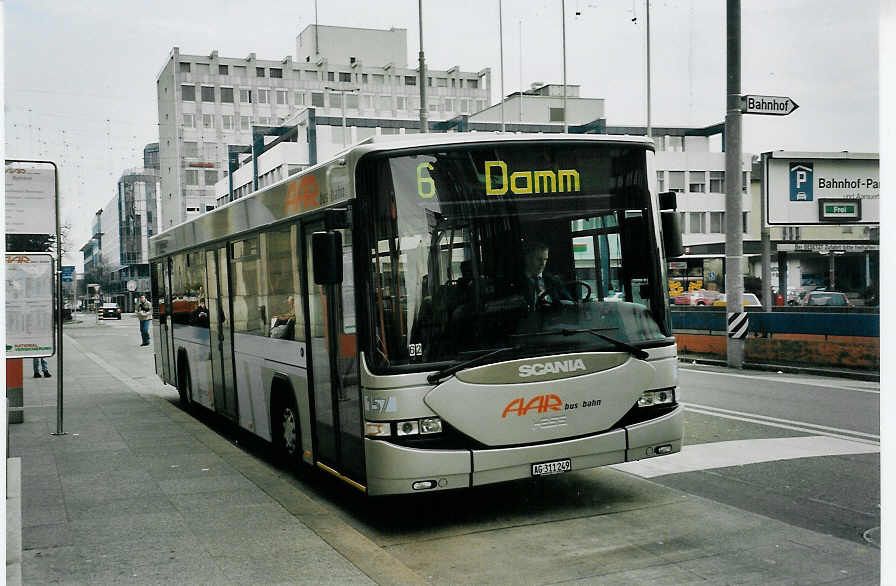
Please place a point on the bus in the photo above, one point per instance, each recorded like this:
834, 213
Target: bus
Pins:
370, 316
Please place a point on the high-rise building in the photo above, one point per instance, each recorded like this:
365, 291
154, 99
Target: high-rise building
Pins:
208, 103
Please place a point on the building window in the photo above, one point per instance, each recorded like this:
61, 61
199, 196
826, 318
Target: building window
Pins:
401, 103
433, 107
441, 82
331, 76
717, 182
259, 72
378, 78
317, 99
276, 72
310, 75
556, 114
745, 182
211, 177
449, 105
208, 94
383, 102
697, 182
227, 122
367, 100
453, 82
226, 95
473, 83
264, 120
343, 76
191, 149
300, 98
480, 105
410, 80
363, 78
660, 181
676, 181
335, 100
184, 67
189, 121
209, 207
281, 97
746, 221
465, 106
192, 209
351, 101
191, 177
188, 93
202, 68
208, 121
223, 70
245, 123
263, 96
698, 223
717, 222
245, 96
239, 70
674, 144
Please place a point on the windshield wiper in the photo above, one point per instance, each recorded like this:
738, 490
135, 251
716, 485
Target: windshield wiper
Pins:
436, 377
633, 350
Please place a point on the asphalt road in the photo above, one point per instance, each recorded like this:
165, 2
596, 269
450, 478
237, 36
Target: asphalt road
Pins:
779, 482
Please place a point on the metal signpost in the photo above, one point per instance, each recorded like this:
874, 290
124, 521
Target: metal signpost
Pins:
32, 188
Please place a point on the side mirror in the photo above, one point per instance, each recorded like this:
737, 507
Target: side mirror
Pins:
326, 253
671, 234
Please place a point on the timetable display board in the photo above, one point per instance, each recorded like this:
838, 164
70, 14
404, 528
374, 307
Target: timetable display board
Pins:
29, 305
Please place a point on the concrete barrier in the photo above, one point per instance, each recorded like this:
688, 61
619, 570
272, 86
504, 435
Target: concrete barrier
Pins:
14, 390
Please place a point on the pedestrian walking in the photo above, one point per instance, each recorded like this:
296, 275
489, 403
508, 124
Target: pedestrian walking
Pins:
144, 314
40, 364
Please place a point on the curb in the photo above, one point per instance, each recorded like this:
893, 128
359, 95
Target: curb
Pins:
790, 369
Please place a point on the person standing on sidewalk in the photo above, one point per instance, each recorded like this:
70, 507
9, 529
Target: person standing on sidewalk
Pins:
40, 364
144, 314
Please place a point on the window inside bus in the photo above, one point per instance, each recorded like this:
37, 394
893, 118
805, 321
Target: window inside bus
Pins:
518, 246
187, 286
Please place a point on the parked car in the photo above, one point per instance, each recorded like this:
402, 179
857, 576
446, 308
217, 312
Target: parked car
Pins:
826, 299
698, 297
109, 310
750, 300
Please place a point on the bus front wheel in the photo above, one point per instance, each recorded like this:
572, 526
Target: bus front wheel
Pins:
185, 384
286, 427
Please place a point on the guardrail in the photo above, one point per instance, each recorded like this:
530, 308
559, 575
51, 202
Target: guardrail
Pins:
845, 339
827, 323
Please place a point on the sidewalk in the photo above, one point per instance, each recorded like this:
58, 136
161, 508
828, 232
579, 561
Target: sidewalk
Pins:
139, 492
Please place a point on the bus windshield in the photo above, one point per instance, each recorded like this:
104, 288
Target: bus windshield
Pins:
532, 247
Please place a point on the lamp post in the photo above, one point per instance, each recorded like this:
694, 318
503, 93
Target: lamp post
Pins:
342, 92
563, 17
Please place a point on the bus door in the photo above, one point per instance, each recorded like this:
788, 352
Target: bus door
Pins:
220, 332
162, 312
334, 365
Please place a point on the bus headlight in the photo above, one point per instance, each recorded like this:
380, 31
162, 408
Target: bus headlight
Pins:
659, 397
431, 425
408, 427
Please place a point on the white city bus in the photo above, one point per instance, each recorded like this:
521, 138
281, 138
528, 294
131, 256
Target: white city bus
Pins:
371, 316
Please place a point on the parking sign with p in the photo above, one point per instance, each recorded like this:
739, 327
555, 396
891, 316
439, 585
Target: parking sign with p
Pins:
800, 181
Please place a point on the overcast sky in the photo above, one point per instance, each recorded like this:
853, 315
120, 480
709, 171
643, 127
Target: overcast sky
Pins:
80, 77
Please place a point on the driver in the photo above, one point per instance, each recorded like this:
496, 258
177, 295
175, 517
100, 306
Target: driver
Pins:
540, 286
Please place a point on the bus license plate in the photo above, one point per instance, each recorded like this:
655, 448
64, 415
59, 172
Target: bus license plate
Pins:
555, 467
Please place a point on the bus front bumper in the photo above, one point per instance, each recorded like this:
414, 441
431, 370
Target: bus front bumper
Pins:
393, 469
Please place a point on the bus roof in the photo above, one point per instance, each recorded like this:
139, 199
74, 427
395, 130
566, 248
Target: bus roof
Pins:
330, 182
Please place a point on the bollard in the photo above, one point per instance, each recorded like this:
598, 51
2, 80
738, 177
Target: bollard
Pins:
14, 395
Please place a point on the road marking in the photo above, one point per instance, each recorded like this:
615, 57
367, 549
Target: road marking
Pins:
742, 452
794, 381
774, 421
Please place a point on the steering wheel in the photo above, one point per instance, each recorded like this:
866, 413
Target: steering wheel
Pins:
542, 301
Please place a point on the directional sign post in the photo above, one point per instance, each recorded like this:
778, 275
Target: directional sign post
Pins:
769, 105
